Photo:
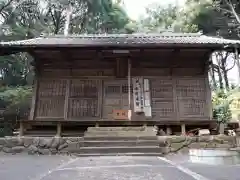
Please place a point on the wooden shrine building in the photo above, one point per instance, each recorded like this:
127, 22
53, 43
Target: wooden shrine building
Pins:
159, 79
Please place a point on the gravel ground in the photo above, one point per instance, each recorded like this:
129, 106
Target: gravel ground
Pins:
26, 167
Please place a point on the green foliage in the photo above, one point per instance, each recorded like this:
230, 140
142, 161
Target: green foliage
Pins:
15, 70
170, 18
16, 100
222, 102
221, 109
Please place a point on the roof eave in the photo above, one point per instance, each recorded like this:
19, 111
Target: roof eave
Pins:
16, 48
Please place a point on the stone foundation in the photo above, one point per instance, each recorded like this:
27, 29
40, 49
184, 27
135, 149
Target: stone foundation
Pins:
70, 145
174, 144
40, 145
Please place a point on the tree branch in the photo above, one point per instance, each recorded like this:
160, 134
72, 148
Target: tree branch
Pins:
226, 10
229, 3
234, 63
6, 5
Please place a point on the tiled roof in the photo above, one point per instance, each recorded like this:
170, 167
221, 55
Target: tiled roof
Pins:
120, 40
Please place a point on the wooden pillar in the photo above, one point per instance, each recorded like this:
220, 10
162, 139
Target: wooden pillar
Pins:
175, 99
221, 128
59, 129
34, 100
66, 100
183, 129
129, 90
21, 128
100, 97
96, 125
208, 95
169, 131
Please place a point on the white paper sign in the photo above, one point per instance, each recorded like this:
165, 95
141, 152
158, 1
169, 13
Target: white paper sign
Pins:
138, 94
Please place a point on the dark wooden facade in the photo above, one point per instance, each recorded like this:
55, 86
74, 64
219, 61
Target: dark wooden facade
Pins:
87, 85
85, 79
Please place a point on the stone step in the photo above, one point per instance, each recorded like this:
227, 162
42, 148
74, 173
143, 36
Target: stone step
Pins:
119, 133
119, 138
139, 128
120, 143
119, 149
117, 154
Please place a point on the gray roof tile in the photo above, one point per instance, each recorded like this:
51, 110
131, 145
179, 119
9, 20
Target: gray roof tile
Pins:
122, 40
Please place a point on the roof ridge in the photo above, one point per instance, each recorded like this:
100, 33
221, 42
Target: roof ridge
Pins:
135, 35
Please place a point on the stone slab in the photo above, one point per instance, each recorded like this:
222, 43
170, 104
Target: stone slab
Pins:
120, 149
112, 144
139, 128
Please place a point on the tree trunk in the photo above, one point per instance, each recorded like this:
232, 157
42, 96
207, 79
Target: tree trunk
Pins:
225, 76
212, 74
238, 67
224, 73
234, 11
220, 78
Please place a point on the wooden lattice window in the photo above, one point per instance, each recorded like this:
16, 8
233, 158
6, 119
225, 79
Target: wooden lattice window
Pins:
191, 88
51, 97
125, 88
83, 101
48, 88
83, 89
117, 89
192, 107
83, 108
162, 98
112, 89
161, 89
191, 94
162, 108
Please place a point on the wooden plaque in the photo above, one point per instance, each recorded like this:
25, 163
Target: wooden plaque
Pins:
120, 114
